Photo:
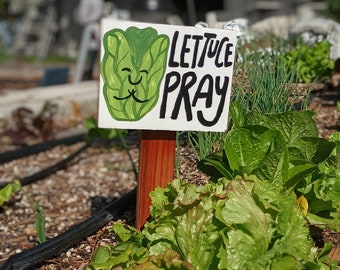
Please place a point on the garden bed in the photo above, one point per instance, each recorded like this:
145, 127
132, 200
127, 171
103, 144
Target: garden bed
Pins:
97, 176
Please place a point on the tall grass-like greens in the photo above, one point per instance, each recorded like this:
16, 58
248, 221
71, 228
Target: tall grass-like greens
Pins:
267, 85
244, 223
133, 66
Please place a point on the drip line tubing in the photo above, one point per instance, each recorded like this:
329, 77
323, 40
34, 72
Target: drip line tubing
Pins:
60, 165
29, 258
37, 148
36, 255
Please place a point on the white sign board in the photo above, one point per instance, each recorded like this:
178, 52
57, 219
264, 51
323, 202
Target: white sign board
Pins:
165, 77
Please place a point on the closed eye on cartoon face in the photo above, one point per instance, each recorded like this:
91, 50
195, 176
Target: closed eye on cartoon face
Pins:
133, 91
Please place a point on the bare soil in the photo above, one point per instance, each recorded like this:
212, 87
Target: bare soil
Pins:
99, 173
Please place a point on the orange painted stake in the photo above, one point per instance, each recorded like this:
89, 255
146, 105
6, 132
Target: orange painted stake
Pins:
156, 168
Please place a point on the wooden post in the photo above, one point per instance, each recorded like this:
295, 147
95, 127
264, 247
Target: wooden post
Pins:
156, 168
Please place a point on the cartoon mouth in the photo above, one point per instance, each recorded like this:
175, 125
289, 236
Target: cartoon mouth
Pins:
131, 94
134, 83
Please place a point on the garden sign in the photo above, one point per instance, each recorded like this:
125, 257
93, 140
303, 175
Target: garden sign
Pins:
165, 77
161, 79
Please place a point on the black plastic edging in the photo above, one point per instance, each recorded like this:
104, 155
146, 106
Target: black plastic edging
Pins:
36, 255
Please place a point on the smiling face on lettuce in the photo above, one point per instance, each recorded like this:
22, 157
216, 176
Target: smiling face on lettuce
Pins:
132, 68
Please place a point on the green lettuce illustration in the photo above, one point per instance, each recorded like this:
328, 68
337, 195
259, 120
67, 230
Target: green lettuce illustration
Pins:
132, 68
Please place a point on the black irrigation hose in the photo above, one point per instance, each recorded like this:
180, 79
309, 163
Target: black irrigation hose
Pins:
54, 168
51, 169
34, 256
62, 164
37, 148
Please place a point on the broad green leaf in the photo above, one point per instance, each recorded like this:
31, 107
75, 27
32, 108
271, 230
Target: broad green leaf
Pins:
335, 137
216, 165
293, 228
246, 241
297, 172
324, 223
274, 167
236, 114
295, 153
124, 254
123, 234
315, 149
292, 125
328, 189
101, 256
186, 226
8, 191
245, 148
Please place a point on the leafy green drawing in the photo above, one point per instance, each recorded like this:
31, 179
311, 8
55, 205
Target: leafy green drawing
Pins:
132, 68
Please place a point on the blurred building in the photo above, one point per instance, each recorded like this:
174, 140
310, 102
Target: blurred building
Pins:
255, 10
49, 26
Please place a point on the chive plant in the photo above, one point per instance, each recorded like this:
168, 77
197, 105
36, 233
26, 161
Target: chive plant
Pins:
271, 86
264, 84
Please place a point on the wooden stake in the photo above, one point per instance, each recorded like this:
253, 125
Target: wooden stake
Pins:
156, 168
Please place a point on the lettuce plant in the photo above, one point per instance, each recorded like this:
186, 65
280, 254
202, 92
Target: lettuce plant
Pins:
323, 190
310, 62
243, 223
283, 149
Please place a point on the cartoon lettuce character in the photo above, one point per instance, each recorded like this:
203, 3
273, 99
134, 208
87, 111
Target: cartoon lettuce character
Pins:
132, 68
